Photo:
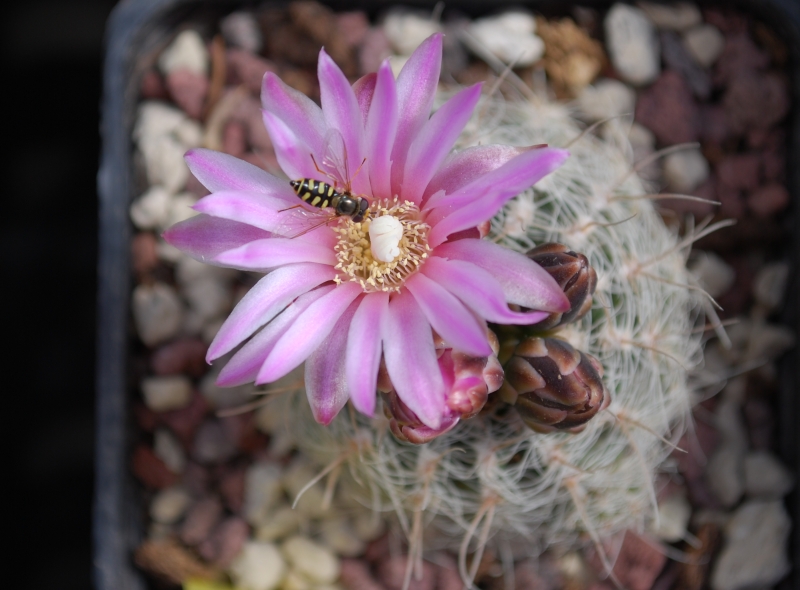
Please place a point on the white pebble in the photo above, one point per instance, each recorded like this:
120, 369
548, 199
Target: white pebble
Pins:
241, 29
295, 479
262, 491
725, 474
765, 476
368, 525
169, 449
768, 342
281, 523
313, 561
754, 553
188, 270
152, 209
673, 518
156, 118
165, 393
209, 298
157, 312
672, 17
189, 133
712, 273
180, 208
259, 566
685, 170
338, 535
510, 37
169, 505
296, 581
704, 44
187, 51
406, 29
769, 285
632, 44
163, 160
224, 397
606, 98
385, 234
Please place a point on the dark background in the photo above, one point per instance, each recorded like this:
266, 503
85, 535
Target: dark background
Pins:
51, 72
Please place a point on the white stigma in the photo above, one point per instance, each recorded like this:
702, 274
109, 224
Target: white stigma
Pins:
385, 233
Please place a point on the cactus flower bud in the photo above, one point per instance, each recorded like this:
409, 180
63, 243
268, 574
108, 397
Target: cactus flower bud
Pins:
554, 386
469, 381
574, 275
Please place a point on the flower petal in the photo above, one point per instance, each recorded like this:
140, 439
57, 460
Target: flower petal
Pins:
435, 140
411, 359
248, 360
296, 110
340, 108
459, 328
380, 132
306, 334
293, 156
523, 281
326, 384
274, 252
478, 290
416, 87
221, 172
256, 209
364, 88
204, 237
364, 351
481, 199
465, 166
264, 301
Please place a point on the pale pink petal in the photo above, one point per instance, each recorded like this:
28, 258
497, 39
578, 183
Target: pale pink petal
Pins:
435, 141
264, 301
294, 108
411, 359
325, 380
364, 351
204, 237
480, 200
523, 281
380, 132
221, 172
364, 88
416, 87
478, 290
274, 252
254, 209
293, 156
306, 334
341, 111
246, 362
459, 328
465, 166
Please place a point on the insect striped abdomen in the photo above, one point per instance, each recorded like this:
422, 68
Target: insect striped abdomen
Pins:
314, 192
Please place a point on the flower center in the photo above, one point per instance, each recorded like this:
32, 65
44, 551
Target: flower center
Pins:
382, 251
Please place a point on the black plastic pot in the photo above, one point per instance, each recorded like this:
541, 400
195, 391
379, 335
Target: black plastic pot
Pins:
136, 29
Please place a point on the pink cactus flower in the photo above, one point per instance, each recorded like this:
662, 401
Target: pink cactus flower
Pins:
350, 292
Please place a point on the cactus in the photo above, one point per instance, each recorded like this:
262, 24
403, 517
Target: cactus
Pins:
491, 479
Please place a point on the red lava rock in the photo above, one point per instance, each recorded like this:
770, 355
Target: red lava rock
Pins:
352, 27
714, 124
668, 110
213, 443
377, 550
301, 80
196, 479
736, 300
231, 486
186, 355
638, 564
726, 21
391, 572
756, 100
265, 160
152, 86
699, 444
188, 89
144, 256
740, 171
201, 518
677, 57
225, 542
740, 54
760, 419
534, 573
768, 200
355, 575
195, 187
246, 68
146, 418
732, 202
707, 190
248, 113
234, 139
374, 49
151, 470
185, 421
701, 496
773, 164
251, 439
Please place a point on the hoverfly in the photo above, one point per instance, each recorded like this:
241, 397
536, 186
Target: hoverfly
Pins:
332, 199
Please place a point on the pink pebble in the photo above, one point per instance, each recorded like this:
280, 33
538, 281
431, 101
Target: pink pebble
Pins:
188, 89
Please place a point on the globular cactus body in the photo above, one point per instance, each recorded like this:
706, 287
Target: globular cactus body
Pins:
493, 477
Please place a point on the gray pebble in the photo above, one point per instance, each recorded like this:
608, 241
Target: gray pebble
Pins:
632, 44
157, 312
259, 566
165, 393
765, 477
672, 17
705, 44
169, 505
188, 51
212, 443
685, 170
770, 285
241, 29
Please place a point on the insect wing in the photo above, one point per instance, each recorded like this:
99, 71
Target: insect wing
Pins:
334, 160
302, 219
